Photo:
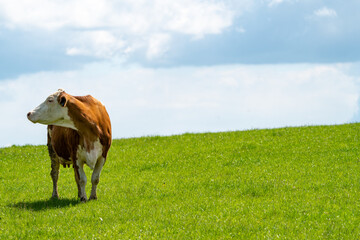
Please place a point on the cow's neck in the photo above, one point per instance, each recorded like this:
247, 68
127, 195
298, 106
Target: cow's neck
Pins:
84, 120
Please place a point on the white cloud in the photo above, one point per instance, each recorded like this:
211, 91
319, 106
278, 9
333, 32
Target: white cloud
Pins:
158, 45
52, 15
197, 18
103, 44
144, 101
104, 28
274, 2
73, 51
325, 12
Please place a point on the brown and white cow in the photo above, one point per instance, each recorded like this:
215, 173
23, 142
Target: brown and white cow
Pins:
79, 132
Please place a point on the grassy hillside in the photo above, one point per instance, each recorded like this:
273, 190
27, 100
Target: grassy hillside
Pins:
294, 183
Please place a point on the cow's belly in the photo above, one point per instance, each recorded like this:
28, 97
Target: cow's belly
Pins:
64, 162
90, 157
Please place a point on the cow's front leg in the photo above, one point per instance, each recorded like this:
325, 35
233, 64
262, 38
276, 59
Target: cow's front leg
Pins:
80, 178
95, 178
55, 176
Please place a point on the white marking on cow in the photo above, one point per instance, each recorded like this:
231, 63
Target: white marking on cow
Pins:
90, 158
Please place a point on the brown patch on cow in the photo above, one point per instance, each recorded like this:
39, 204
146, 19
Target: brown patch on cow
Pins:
91, 119
62, 142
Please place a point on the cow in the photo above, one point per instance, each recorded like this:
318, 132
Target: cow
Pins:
78, 133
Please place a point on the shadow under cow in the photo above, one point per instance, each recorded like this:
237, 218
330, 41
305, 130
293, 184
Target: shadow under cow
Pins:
41, 205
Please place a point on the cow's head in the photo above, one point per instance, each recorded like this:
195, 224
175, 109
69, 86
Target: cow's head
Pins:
53, 111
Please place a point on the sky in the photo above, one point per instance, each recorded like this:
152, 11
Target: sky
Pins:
165, 67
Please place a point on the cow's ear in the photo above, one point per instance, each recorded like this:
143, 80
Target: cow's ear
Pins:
63, 101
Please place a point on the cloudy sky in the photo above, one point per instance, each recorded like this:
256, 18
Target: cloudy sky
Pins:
166, 67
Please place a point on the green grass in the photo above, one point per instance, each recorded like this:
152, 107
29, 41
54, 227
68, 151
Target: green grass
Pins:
289, 183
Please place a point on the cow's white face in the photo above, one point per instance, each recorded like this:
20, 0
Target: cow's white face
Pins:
52, 111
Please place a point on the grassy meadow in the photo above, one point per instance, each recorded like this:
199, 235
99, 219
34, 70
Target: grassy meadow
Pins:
288, 183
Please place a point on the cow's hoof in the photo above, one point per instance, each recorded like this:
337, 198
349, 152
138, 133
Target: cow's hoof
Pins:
83, 199
55, 197
93, 198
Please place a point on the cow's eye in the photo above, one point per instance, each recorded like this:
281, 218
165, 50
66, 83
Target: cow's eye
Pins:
50, 100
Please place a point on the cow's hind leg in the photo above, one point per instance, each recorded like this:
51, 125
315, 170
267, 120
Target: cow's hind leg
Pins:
95, 178
77, 180
81, 180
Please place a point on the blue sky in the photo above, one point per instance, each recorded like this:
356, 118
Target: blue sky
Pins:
168, 67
